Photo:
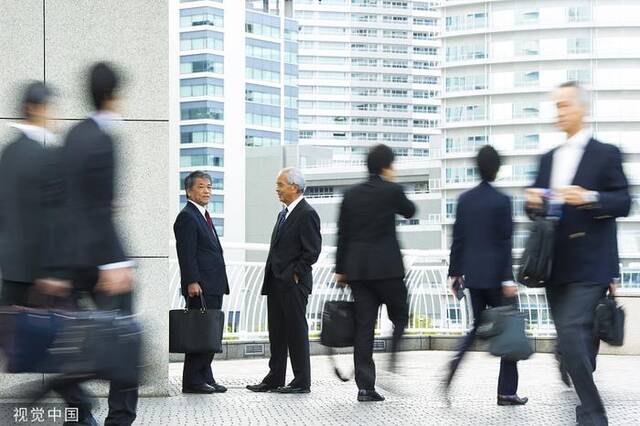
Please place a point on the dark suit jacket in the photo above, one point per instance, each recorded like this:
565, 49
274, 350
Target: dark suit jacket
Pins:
199, 253
481, 247
21, 210
89, 166
293, 250
585, 238
368, 247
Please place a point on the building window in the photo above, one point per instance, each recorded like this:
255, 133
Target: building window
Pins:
525, 110
319, 192
262, 95
466, 82
395, 34
201, 16
200, 40
254, 137
578, 14
201, 63
254, 73
263, 50
466, 52
527, 48
450, 208
200, 157
201, 87
201, 110
578, 45
465, 113
425, 94
528, 141
428, 109
203, 133
527, 78
422, 138
425, 79
529, 17
582, 76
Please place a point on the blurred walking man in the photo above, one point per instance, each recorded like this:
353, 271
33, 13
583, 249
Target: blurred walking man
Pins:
587, 177
368, 257
481, 261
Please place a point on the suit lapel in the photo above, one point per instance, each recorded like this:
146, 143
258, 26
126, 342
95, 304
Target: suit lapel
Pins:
584, 165
293, 217
204, 225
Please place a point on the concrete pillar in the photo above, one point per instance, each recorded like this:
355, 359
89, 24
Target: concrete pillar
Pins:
55, 41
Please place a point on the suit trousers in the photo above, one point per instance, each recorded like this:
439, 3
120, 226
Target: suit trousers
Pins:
288, 331
573, 309
122, 400
197, 367
15, 293
480, 299
368, 296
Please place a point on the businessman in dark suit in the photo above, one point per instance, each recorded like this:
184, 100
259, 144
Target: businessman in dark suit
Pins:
481, 259
23, 182
368, 257
295, 246
587, 177
91, 255
202, 273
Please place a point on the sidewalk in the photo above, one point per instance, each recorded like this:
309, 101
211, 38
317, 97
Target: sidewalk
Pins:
413, 396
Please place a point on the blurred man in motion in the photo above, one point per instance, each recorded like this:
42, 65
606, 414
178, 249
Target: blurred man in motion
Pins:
202, 273
22, 184
587, 178
88, 251
481, 253
288, 279
368, 257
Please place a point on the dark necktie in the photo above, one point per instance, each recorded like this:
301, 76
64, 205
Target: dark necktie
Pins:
211, 228
282, 217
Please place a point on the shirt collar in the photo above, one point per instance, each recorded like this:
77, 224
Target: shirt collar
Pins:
105, 119
201, 209
294, 203
579, 140
35, 133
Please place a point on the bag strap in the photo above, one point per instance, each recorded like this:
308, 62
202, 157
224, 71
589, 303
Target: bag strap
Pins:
203, 305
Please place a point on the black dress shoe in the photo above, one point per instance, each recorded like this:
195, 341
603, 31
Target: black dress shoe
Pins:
218, 388
203, 388
369, 396
292, 389
511, 400
262, 387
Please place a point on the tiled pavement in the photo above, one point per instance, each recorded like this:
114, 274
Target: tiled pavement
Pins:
413, 395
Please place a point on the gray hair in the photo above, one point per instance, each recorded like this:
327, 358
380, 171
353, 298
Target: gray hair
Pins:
295, 177
190, 180
583, 96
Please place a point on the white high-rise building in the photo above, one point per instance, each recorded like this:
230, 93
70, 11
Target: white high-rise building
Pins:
370, 74
501, 61
238, 88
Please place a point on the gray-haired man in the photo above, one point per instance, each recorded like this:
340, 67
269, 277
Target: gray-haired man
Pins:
295, 246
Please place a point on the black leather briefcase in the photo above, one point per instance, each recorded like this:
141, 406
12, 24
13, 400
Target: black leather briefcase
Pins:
505, 329
196, 331
609, 321
338, 324
536, 262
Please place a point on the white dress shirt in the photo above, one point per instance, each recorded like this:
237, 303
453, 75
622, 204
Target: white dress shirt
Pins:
293, 205
201, 209
105, 119
566, 159
35, 133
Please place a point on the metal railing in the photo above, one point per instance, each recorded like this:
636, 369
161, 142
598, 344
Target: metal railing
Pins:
432, 309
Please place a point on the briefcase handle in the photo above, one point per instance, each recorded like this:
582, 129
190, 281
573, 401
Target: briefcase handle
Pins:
203, 305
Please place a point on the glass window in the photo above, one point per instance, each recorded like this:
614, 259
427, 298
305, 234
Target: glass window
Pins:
202, 110
261, 138
527, 141
253, 73
262, 94
420, 50
582, 76
525, 110
578, 45
527, 78
201, 63
527, 48
425, 35
201, 87
262, 29
201, 40
527, 17
425, 79
200, 157
263, 50
578, 13
201, 16
203, 133
395, 34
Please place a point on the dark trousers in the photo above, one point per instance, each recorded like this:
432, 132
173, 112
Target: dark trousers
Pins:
480, 300
123, 400
197, 367
288, 331
573, 309
368, 296
15, 293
